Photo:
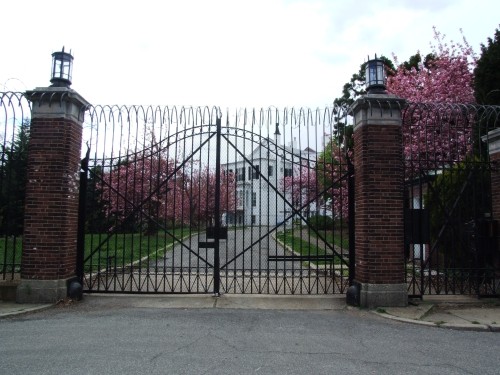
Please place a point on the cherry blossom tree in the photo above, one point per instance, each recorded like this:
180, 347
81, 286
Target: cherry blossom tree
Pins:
320, 187
152, 188
198, 196
136, 191
301, 189
436, 130
332, 168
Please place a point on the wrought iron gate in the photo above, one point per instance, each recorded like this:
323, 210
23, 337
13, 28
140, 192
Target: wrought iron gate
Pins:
450, 236
173, 201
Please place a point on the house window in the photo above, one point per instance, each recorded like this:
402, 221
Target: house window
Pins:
239, 197
270, 170
254, 199
240, 174
255, 174
254, 219
288, 172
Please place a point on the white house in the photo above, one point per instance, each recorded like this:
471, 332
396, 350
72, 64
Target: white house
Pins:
259, 182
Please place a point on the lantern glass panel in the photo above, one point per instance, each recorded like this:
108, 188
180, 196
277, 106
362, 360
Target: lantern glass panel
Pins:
380, 74
62, 64
375, 76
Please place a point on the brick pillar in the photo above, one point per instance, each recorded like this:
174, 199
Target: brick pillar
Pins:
51, 210
378, 171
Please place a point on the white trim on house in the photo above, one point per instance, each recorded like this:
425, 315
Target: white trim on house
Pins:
257, 202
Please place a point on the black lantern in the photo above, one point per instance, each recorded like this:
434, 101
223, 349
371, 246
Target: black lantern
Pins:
375, 76
62, 66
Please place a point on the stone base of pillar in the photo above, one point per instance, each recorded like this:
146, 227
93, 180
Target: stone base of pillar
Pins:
383, 295
42, 291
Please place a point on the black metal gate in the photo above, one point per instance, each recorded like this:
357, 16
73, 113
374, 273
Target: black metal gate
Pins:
173, 201
450, 235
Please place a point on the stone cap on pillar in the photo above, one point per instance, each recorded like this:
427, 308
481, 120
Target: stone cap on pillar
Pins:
493, 141
378, 109
57, 102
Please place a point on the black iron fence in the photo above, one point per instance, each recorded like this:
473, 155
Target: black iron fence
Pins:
15, 115
183, 200
193, 200
450, 234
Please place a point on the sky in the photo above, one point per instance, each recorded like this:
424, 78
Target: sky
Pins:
228, 53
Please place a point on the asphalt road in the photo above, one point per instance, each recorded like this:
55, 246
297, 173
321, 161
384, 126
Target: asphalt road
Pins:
115, 338
244, 249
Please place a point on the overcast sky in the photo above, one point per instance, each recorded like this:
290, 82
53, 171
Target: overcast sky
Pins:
220, 52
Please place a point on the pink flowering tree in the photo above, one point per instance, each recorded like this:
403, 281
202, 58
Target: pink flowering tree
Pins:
198, 196
322, 187
301, 189
151, 189
435, 130
136, 192
332, 169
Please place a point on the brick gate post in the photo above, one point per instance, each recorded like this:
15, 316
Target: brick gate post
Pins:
51, 211
379, 185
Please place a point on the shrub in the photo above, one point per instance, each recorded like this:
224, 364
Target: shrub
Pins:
321, 222
457, 199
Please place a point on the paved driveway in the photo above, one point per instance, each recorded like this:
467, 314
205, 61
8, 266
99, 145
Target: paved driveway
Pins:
245, 249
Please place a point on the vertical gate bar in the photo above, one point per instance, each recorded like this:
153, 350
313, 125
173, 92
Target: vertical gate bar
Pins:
252, 209
182, 203
262, 219
352, 224
114, 160
199, 226
422, 273
190, 229
277, 140
174, 207
217, 225
228, 202
246, 194
80, 242
225, 199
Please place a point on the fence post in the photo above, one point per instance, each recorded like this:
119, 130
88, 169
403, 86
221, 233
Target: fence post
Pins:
379, 186
493, 141
51, 210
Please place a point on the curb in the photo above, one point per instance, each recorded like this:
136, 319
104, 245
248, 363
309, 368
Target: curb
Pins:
25, 310
461, 327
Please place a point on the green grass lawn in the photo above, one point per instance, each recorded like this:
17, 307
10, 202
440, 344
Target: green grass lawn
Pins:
121, 249
299, 245
125, 249
10, 254
337, 238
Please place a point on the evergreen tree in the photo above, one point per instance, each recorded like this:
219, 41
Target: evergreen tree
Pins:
13, 180
487, 72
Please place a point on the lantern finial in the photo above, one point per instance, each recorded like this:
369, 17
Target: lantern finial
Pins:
62, 69
375, 76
